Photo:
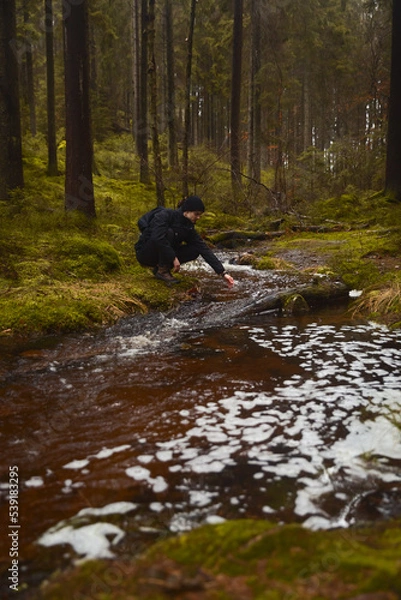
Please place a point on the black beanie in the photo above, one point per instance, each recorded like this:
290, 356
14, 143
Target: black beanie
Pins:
193, 203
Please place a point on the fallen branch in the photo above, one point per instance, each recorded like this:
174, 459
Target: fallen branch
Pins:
313, 296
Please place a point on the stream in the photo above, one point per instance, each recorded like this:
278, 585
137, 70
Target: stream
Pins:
208, 412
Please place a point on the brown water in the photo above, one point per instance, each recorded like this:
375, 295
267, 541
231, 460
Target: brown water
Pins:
168, 421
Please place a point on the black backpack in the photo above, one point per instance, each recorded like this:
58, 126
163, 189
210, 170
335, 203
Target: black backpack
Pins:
145, 220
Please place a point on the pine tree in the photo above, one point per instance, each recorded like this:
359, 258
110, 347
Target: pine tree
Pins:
236, 98
52, 168
11, 172
393, 164
79, 193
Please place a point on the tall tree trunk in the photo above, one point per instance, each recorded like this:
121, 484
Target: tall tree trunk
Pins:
307, 117
52, 168
79, 193
254, 138
153, 106
236, 99
142, 134
393, 163
11, 173
30, 86
187, 117
135, 48
172, 138
280, 184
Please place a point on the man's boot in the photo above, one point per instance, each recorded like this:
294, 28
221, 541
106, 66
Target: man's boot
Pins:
163, 273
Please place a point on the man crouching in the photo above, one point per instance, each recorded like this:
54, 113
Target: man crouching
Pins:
169, 239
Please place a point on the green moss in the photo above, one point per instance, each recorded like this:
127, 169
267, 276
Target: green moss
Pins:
269, 262
247, 559
356, 208
48, 311
86, 258
62, 272
295, 304
218, 220
356, 273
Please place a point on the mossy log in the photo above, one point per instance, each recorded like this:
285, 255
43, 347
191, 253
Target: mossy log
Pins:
298, 300
234, 238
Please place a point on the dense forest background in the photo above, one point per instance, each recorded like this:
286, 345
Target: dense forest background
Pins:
290, 97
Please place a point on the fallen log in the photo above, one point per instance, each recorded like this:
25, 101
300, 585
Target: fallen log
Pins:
299, 300
233, 239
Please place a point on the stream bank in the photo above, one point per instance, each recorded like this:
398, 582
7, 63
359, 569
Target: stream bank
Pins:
246, 560
93, 285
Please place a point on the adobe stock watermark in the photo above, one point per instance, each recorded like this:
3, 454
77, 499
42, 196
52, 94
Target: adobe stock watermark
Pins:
13, 530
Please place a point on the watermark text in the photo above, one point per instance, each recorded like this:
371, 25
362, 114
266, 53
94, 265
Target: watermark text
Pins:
13, 527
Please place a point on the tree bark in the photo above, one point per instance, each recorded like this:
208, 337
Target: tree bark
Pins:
52, 168
187, 117
142, 134
11, 172
236, 99
311, 296
79, 193
254, 133
153, 107
393, 169
135, 48
172, 138
29, 80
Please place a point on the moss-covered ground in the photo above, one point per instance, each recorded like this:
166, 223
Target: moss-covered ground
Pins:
244, 560
60, 272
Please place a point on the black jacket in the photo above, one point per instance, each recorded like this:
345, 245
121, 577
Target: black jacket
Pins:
168, 229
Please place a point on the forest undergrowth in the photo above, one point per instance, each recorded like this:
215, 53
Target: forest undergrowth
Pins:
60, 272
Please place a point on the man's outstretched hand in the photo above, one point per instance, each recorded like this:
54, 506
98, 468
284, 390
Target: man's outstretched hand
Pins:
229, 280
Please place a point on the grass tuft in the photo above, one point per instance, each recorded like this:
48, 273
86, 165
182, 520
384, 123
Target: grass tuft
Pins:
384, 302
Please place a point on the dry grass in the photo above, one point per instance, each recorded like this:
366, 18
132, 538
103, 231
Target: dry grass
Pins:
384, 301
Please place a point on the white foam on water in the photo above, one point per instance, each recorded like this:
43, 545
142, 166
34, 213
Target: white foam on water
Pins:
136, 345
138, 473
347, 378
77, 464
35, 481
324, 429
181, 522
106, 452
214, 520
70, 485
379, 437
158, 484
200, 498
89, 541
110, 509
164, 455
146, 458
